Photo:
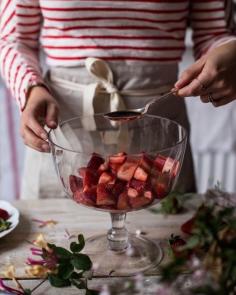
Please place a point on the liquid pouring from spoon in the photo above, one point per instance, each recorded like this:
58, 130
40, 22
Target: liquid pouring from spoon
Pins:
132, 114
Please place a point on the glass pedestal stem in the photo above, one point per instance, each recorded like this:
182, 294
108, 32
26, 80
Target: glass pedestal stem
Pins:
118, 235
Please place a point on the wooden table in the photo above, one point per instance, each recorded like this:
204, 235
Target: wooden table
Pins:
14, 247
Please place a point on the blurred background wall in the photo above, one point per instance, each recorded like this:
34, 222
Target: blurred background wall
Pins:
213, 141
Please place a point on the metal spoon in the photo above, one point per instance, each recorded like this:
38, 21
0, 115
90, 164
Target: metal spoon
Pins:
134, 113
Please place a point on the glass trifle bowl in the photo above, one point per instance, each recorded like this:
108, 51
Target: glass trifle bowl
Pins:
119, 167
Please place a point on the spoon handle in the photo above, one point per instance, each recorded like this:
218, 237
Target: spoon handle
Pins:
156, 99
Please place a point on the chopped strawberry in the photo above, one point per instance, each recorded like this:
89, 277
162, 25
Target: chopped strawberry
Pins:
90, 179
80, 197
171, 166
114, 167
4, 214
140, 174
104, 194
161, 185
187, 227
138, 185
146, 162
118, 188
126, 171
139, 202
107, 177
123, 201
91, 193
132, 193
76, 183
95, 162
118, 158
159, 162
103, 167
148, 195
161, 190
82, 171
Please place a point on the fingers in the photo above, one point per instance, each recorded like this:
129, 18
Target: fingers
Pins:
34, 125
218, 98
52, 115
189, 75
33, 141
32, 120
201, 83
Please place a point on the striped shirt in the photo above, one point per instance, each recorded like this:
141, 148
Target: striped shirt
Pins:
71, 30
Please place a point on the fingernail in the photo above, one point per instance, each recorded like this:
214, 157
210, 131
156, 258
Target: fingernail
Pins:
44, 136
45, 147
53, 123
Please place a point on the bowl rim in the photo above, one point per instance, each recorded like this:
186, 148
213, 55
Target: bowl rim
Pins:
51, 142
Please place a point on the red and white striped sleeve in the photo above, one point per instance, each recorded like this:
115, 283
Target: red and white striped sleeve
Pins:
213, 24
19, 50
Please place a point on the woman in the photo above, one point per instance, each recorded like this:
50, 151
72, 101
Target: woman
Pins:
141, 42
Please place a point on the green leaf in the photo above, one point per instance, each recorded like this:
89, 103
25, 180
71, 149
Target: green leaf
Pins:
192, 242
77, 247
81, 262
76, 275
62, 253
27, 292
4, 225
65, 270
79, 284
58, 282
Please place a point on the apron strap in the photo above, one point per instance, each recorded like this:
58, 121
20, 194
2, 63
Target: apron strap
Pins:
101, 71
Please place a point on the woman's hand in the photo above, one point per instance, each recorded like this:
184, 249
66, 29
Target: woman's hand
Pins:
41, 109
212, 77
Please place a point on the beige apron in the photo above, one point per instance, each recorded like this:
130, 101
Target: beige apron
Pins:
97, 88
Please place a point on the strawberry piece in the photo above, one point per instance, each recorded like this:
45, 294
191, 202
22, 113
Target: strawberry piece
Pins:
102, 168
123, 202
161, 190
159, 162
75, 183
114, 167
126, 171
140, 174
95, 162
4, 214
82, 171
118, 188
148, 195
146, 162
90, 179
139, 202
91, 193
188, 226
132, 193
118, 158
104, 195
138, 185
171, 166
161, 185
80, 197
107, 177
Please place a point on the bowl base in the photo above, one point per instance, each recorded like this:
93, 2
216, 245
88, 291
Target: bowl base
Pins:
140, 255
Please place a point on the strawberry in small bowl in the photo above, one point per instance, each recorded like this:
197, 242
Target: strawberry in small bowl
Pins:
118, 168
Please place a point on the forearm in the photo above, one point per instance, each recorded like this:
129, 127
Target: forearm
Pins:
19, 59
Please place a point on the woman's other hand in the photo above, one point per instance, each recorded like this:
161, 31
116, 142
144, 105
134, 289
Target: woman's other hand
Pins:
212, 77
41, 109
